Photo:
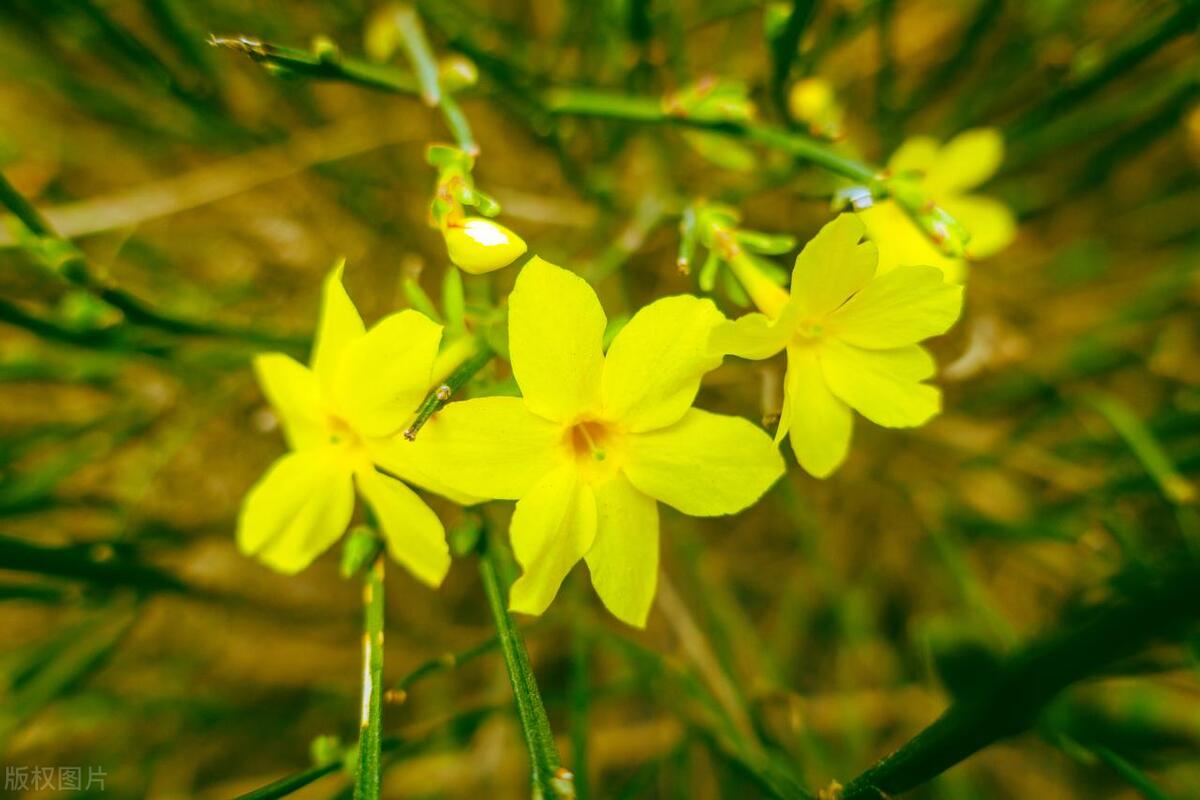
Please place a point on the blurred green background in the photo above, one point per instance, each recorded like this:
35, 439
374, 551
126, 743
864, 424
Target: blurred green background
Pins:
808, 636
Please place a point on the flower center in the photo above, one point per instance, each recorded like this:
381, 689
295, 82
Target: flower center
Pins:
343, 436
596, 448
810, 329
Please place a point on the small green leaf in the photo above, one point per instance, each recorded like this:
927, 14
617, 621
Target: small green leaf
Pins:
418, 299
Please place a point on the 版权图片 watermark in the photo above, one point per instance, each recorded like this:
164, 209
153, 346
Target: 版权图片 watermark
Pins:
56, 779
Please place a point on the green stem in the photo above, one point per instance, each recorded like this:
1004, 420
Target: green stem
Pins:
1130, 773
399, 692
587, 103
325, 67
291, 784
441, 395
548, 777
366, 784
421, 59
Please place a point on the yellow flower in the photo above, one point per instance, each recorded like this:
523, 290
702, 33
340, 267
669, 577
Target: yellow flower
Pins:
596, 440
479, 245
339, 418
851, 339
943, 174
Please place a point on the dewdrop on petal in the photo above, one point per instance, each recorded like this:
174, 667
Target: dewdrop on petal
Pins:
478, 245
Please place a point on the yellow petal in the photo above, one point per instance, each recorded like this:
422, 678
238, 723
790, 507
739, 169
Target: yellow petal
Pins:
991, 225
384, 375
900, 307
820, 424
552, 527
299, 508
883, 385
754, 336
492, 447
556, 341
917, 154
396, 455
479, 245
832, 266
902, 244
623, 560
654, 366
294, 391
965, 161
338, 325
705, 464
413, 533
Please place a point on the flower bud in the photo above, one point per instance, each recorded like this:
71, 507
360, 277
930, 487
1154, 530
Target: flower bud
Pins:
457, 73
813, 102
478, 245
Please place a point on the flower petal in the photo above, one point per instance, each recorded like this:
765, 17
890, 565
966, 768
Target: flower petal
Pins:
398, 456
384, 375
991, 224
900, 307
902, 244
832, 266
556, 340
491, 447
705, 464
414, 534
296, 510
883, 385
965, 162
623, 560
917, 154
653, 368
295, 393
754, 336
552, 527
339, 325
820, 424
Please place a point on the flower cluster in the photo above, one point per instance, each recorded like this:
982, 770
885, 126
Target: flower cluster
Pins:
598, 437
929, 173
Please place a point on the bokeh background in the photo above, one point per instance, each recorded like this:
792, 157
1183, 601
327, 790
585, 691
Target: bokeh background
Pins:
814, 632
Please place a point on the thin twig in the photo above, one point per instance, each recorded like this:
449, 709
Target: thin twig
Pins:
441, 395
325, 66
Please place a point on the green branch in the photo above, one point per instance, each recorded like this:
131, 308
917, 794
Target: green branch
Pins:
370, 737
447, 661
326, 65
548, 777
438, 398
589, 103
1147, 607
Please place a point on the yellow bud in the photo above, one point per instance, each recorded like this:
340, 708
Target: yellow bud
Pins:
478, 245
813, 102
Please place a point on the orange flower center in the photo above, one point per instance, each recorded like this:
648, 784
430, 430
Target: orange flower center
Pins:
596, 447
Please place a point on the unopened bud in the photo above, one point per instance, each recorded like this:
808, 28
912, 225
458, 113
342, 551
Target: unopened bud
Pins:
477, 245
